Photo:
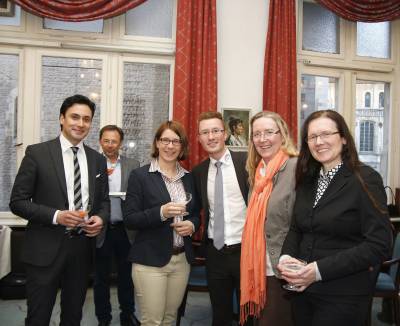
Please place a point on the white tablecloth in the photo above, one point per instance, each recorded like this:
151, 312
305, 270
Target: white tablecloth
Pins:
5, 250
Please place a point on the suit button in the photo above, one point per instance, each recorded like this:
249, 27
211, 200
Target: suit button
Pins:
272, 252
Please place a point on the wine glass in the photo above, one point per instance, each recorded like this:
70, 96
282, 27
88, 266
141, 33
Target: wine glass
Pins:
183, 199
293, 266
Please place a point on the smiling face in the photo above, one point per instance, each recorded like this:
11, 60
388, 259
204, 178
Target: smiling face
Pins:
212, 142
168, 153
76, 123
110, 143
327, 151
266, 146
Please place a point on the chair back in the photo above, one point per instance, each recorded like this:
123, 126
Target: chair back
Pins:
394, 271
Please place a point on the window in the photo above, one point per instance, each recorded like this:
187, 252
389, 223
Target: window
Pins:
367, 101
63, 77
9, 67
320, 29
373, 40
317, 93
360, 57
145, 106
367, 136
94, 26
14, 20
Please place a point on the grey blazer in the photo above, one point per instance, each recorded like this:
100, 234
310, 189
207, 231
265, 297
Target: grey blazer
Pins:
279, 210
127, 165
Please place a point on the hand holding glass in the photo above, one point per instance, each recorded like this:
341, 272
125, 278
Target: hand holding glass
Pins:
183, 200
293, 267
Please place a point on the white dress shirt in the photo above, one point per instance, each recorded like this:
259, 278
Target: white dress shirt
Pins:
68, 159
234, 204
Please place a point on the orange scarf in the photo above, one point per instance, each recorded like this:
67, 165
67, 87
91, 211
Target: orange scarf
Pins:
253, 256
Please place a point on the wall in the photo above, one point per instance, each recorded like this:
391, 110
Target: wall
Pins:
241, 38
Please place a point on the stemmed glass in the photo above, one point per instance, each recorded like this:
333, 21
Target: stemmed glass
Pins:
84, 214
183, 200
293, 267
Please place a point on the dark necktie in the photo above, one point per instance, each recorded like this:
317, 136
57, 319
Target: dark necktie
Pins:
77, 181
219, 223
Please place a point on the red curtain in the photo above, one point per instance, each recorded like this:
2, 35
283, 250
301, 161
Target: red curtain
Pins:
195, 81
364, 10
83, 10
280, 73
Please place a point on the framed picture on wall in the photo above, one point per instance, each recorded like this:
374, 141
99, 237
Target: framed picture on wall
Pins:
237, 127
6, 8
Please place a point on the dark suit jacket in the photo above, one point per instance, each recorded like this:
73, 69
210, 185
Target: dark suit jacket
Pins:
127, 165
146, 194
345, 234
200, 174
40, 189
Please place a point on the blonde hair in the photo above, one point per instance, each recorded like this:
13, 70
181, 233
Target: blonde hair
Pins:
253, 158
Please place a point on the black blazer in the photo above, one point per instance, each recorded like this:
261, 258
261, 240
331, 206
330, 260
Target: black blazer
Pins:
345, 234
153, 242
200, 174
40, 189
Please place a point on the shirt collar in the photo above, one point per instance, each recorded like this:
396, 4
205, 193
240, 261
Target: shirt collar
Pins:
155, 167
66, 144
118, 159
331, 173
225, 159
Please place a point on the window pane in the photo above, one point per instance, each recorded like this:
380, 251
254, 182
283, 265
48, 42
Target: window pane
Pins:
373, 40
371, 132
152, 18
320, 29
145, 106
94, 26
317, 93
8, 125
64, 77
14, 20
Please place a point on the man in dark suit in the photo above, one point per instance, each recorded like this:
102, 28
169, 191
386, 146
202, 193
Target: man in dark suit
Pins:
221, 182
57, 182
114, 239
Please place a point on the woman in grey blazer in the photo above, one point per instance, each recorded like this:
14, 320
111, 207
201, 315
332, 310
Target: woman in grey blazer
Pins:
271, 165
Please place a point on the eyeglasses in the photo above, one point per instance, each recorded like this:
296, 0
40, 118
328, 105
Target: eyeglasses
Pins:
167, 141
109, 142
267, 134
214, 132
323, 136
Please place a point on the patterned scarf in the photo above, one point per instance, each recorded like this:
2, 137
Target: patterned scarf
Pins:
253, 255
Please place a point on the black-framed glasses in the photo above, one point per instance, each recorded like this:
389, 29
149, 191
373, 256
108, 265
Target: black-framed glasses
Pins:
214, 132
266, 134
167, 141
323, 136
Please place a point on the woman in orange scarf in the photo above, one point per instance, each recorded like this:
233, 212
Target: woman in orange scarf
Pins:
271, 165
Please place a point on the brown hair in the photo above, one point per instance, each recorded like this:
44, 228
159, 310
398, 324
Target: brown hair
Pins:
177, 128
112, 128
210, 115
253, 158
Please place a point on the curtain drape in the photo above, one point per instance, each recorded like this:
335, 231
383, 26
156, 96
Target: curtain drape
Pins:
72, 10
364, 10
280, 73
195, 80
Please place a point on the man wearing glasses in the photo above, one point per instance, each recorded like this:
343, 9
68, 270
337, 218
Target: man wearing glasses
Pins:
221, 182
114, 240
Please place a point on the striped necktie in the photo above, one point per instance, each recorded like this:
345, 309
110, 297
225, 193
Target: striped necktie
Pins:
77, 180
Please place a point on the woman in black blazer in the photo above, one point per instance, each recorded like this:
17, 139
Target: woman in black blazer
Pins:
162, 249
340, 227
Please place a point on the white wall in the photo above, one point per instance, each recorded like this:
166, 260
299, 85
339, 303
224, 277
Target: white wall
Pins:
241, 39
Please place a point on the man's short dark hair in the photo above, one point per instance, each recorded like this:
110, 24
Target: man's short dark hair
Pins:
112, 128
77, 99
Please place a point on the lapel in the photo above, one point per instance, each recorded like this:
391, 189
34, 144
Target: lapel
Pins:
91, 163
56, 156
203, 184
240, 175
123, 172
338, 182
157, 183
